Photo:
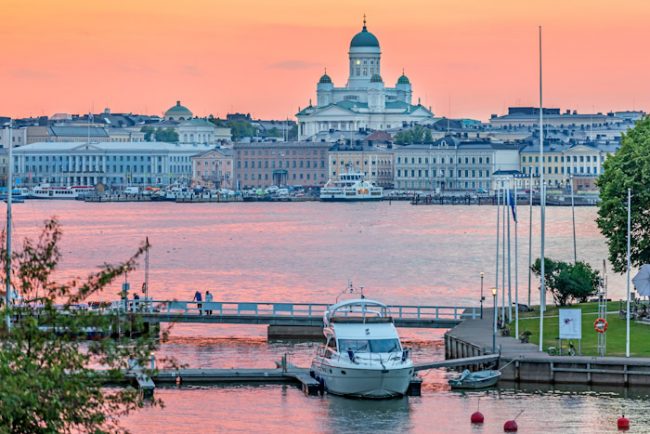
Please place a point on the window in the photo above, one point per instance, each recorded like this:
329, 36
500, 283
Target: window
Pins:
371, 346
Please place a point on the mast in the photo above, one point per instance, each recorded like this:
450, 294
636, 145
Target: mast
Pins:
530, 231
10, 183
627, 308
542, 285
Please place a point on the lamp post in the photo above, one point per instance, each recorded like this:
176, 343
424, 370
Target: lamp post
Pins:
482, 297
494, 328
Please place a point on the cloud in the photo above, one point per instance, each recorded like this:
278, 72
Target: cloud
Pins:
31, 74
293, 65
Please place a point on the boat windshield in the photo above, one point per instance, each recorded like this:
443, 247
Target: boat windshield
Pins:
369, 346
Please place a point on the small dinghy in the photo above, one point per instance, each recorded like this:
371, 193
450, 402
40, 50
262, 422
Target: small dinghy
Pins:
475, 380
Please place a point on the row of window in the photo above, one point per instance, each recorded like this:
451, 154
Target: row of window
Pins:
93, 158
281, 152
295, 176
434, 160
293, 164
555, 170
561, 158
441, 173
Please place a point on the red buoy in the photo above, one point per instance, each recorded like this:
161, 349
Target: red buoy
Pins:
477, 417
510, 426
623, 423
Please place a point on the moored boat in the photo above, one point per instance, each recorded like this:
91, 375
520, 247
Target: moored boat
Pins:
363, 356
350, 186
475, 380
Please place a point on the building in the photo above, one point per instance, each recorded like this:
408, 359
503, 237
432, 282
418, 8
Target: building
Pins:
201, 131
4, 166
15, 136
178, 113
74, 133
562, 162
214, 168
519, 117
364, 102
109, 163
262, 164
375, 161
453, 165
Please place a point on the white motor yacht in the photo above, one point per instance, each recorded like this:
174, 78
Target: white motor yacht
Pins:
350, 186
363, 356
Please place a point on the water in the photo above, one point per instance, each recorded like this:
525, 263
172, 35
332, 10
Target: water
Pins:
306, 252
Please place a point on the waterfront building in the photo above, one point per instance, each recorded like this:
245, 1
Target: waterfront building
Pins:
452, 165
565, 161
365, 101
77, 133
4, 166
522, 117
18, 137
201, 131
214, 168
374, 161
109, 163
262, 164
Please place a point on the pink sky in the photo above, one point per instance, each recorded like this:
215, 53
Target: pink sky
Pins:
466, 58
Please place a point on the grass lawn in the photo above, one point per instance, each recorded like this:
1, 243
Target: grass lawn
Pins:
639, 333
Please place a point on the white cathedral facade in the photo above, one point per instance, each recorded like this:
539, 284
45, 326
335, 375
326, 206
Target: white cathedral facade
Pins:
364, 102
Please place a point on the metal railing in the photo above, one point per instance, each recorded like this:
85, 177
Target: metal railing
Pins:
286, 310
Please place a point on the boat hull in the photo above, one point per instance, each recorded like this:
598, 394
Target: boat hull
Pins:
476, 381
349, 199
363, 383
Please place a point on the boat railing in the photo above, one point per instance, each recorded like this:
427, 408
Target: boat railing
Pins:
289, 310
365, 358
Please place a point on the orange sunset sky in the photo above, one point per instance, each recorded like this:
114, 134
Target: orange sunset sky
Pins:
466, 58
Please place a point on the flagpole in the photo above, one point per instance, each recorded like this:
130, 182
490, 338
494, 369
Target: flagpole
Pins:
496, 272
627, 316
509, 260
542, 285
573, 218
9, 186
504, 211
530, 232
516, 270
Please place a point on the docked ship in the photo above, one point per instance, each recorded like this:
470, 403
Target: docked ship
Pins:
363, 356
350, 186
46, 191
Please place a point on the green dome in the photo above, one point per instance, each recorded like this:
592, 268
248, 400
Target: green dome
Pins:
364, 39
376, 78
179, 111
403, 80
325, 79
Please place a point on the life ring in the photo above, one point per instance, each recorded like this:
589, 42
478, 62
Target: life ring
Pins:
600, 325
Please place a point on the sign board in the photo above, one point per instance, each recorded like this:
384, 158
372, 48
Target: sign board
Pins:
570, 323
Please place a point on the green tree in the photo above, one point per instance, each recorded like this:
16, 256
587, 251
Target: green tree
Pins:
148, 131
417, 135
49, 383
241, 129
629, 167
568, 282
166, 135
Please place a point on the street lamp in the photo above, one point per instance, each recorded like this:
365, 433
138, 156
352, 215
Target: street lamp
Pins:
482, 297
494, 328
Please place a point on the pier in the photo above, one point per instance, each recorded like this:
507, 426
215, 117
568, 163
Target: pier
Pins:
285, 320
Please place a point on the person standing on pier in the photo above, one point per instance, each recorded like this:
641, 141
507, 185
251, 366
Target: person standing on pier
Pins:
197, 298
208, 299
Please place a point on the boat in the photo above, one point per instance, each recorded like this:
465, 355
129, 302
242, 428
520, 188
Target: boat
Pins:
17, 194
363, 356
475, 380
46, 191
350, 186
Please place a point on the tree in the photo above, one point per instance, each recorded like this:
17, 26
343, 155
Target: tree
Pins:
148, 131
629, 167
416, 135
166, 135
241, 129
48, 381
568, 282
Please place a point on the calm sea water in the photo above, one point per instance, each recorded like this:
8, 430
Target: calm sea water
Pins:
306, 252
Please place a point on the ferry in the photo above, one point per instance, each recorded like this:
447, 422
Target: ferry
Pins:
46, 191
350, 186
363, 356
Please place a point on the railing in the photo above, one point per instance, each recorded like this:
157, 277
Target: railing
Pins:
287, 310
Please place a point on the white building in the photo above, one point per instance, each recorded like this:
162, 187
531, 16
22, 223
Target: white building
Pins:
364, 102
110, 163
452, 165
201, 131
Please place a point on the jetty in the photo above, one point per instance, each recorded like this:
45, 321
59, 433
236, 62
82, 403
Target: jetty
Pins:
523, 362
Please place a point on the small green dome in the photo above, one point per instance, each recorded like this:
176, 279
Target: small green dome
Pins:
403, 80
364, 39
179, 110
325, 79
376, 78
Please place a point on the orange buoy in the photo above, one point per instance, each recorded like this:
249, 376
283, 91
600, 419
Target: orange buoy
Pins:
477, 417
510, 426
623, 423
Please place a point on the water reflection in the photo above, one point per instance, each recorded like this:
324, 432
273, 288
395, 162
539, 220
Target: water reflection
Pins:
366, 416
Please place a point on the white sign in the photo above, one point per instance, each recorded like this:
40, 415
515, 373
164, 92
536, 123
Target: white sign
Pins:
570, 323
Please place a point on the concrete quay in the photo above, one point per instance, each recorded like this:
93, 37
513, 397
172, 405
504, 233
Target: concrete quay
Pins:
522, 362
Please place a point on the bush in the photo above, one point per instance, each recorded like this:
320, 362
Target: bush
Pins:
568, 282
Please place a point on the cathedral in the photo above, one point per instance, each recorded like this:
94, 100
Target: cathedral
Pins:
365, 102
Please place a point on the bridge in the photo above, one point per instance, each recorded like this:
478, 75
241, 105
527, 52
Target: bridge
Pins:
284, 315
